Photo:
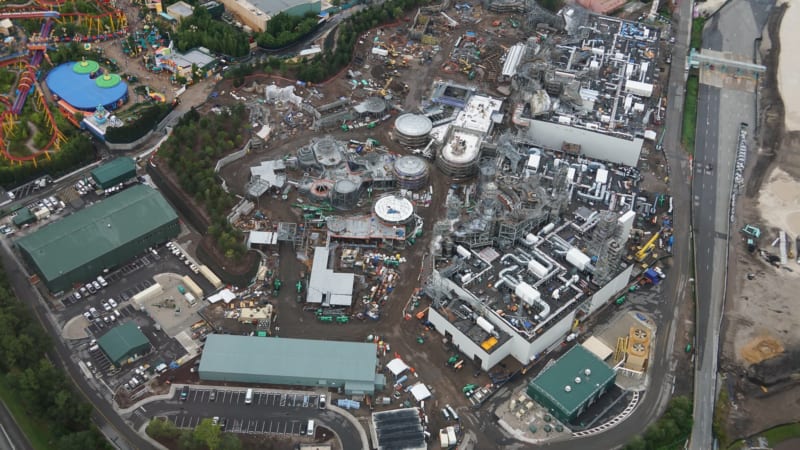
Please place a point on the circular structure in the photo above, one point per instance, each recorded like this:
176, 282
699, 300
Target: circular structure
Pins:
394, 210
82, 92
411, 172
108, 80
345, 194
336, 224
328, 151
373, 105
86, 67
459, 157
413, 130
320, 190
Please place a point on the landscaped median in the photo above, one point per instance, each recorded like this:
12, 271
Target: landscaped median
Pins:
689, 127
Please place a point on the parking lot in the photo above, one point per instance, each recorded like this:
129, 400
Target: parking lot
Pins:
269, 399
278, 427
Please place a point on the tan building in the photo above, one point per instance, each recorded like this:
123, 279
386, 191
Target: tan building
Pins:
248, 13
602, 6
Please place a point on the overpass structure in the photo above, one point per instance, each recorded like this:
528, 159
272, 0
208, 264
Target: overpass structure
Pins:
709, 60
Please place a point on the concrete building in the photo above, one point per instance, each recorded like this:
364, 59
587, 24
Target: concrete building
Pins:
116, 171
327, 287
292, 362
571, 384
256, 13
180, 10
124, 343
105, 235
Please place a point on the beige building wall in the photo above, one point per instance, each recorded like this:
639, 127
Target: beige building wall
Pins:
247, 13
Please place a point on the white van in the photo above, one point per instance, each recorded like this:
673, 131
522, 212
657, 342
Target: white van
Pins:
310, 428
248, 398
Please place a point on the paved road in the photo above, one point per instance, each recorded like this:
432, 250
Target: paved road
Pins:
270, 413
111, 425
719, 115
11, 437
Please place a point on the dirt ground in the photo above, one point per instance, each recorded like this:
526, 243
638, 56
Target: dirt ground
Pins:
761, 315
428, 358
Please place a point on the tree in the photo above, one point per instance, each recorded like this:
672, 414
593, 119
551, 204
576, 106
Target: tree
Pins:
208, 433
159, 428
83, 440
229, 441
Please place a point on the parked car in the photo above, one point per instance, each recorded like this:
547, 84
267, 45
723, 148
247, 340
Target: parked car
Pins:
96, 285
90, 288
93, 312
77, 295
88, 315
322, 401
112, 302
106, 306
184, 393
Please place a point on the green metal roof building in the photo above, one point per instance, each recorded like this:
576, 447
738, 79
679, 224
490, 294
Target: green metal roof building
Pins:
114, 172
107, 234
292, 362
124, 342
571, 384
23, 217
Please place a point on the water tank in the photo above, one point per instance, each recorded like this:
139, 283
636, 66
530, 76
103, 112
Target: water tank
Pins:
527, 293
548, 228
578, 259
485, 325
587, 372
536, 268
466, 277
463, 252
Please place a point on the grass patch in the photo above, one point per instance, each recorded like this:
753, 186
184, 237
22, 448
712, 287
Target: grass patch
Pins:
774, 435
721, 413
696, 40
782, 433
38, 432
689, 128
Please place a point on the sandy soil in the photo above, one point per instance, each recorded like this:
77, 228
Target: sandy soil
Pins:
789, 66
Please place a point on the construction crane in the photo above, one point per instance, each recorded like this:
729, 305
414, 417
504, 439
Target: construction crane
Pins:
386, 86
646, 248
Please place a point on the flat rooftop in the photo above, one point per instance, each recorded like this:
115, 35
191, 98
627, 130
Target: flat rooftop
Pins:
479, 114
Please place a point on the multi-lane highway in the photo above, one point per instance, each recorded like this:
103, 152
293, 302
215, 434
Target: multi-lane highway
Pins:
719, 115
11, 436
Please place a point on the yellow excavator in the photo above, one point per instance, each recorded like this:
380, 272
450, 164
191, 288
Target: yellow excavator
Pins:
647, 248
386, 86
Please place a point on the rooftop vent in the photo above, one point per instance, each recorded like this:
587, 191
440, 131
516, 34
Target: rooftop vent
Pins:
567, 388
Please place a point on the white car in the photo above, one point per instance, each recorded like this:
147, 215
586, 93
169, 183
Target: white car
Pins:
106, 306
112, 302
88, 315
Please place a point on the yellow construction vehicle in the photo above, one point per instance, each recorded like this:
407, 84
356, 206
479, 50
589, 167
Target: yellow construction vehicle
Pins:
386, 86
647, 248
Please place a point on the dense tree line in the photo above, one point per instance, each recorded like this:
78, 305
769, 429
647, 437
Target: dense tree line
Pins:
670, 431
201, 30
284, 29
76, 151
331, 62
205, 435
148, 118
43, 389
192, 152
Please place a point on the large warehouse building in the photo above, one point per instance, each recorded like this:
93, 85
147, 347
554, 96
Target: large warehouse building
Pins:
292, 362
78, 247
571, 384
124, 343
115, 171
256, 13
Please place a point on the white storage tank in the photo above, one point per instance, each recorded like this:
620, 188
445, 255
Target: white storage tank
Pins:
532, 239
578, 259
485, 325
527, 293
536, 268
548, 228
463, 252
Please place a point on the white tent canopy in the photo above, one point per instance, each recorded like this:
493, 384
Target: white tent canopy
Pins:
225, 295
397, 366
420, 392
